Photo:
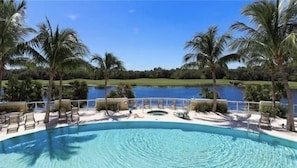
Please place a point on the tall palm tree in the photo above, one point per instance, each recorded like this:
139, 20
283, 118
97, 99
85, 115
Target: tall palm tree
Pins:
207, 51
73, 61
272, 32
265, 61
12, 34
107, 64
57, 47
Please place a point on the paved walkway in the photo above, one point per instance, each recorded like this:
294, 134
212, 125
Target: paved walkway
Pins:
234, 120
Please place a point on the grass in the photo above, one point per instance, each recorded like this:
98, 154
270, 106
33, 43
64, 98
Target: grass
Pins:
165, 82
147, 82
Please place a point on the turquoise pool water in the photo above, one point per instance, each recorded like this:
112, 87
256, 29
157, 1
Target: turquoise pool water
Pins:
146, 144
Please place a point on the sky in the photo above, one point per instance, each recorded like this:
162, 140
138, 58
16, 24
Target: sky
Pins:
143, 34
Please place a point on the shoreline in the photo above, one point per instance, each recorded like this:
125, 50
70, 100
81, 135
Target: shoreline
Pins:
163, 82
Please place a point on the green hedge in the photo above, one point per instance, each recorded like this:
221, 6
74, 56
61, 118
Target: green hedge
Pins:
276, 111
207, 107
113, 106
65, 103
13, 107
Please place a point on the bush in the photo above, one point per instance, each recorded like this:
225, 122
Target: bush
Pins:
13, 106
222, 108
202, 107
113, 106
65, 103
206, 107
281, 111
276, 111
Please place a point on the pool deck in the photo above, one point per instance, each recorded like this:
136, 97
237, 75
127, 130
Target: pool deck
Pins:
235, 120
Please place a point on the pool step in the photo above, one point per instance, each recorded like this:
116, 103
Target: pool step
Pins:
253, 135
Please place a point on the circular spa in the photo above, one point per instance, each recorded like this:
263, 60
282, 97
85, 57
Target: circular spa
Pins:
157, 112
147, 144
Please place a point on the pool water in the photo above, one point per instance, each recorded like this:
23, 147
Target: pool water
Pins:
144, 144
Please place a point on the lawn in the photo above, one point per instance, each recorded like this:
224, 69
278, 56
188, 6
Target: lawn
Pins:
165, 82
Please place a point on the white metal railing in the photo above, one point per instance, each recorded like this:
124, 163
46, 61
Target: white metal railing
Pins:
155, 102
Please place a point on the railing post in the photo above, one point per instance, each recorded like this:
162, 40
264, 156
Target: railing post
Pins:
88, 105
294, 109
35, 109
248, 107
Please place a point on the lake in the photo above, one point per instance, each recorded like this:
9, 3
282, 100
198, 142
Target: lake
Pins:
231, 93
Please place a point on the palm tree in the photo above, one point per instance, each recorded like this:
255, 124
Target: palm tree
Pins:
272, 33
108, 64
73, 61
58, 47
12, 33
264, 60
207, 51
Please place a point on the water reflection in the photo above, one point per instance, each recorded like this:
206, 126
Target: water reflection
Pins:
231, 93
55, 144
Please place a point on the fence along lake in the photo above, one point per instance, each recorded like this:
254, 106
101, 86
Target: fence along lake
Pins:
230, 93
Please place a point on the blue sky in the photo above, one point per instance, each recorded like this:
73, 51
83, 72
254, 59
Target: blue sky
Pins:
142, 34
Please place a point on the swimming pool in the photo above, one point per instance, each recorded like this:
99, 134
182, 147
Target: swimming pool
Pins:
146, 144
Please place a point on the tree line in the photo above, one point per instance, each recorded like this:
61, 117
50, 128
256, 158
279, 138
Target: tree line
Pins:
246, 73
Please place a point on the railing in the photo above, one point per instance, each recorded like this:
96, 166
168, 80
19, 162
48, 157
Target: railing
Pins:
143, 103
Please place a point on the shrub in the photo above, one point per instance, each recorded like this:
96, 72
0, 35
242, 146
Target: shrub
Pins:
276, 111
113, 106
281, 111
65, 103
13, 106
202, 107
206, 107
222, 107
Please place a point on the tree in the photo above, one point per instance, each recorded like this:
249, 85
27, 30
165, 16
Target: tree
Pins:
58, 47
207, 52
72, 61
122, 90
79, 90
207, 94
30, 90
272, 32
12, 33
12, 90
26, 90
260, 58
107, 64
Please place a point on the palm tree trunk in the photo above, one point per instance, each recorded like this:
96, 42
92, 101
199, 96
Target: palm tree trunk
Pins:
105, 94
214, 107
1, 77
60, 94
290, 115
273, 88
49, 93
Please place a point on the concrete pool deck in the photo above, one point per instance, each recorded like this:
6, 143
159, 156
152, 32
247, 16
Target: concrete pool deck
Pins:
234, 120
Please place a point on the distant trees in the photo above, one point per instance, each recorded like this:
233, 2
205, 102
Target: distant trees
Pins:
248, 73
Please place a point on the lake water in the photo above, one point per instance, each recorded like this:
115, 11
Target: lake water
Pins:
230, 93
